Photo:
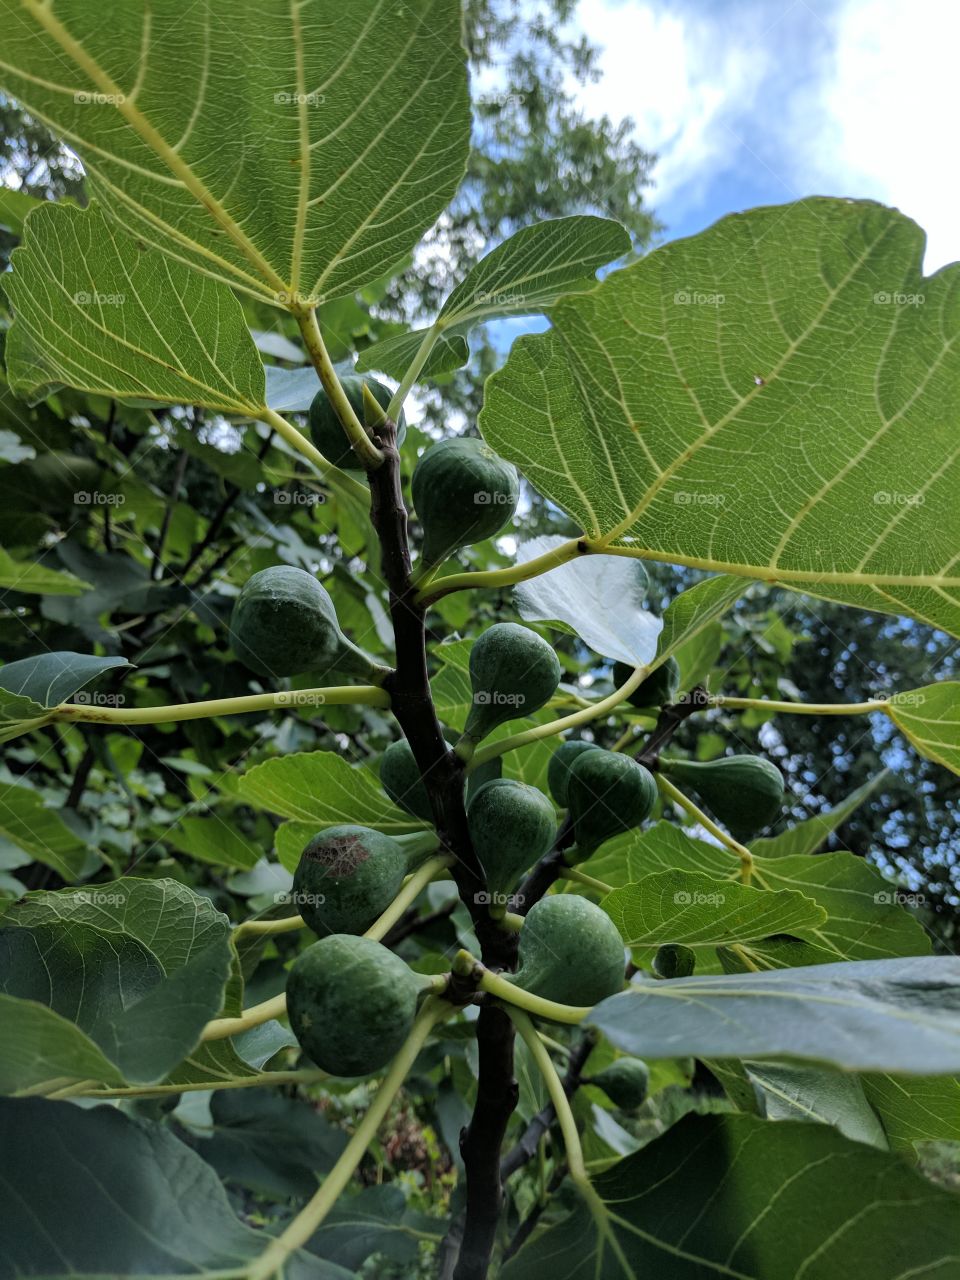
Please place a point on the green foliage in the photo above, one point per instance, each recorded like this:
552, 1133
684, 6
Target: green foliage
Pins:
511, 826
463, 493
625, 1082
285, 623
570, 952
351, 1003
347, 876
607, 793
513, 672
744, 792
326, 428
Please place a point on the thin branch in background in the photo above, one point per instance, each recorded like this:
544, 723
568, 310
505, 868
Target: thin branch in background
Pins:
156, 571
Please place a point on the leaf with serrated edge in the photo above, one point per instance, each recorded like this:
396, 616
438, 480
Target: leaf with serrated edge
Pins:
365, 107
95, 311
759, 399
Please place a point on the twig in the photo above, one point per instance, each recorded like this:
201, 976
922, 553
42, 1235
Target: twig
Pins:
156, 569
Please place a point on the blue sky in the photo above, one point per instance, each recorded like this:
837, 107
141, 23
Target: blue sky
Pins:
753, 102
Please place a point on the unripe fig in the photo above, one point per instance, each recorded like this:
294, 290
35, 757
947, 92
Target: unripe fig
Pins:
346, 878
570, 951
558, 771
513, 672
660, 687
674, 961
351, 1003
326, 429
401, 780
625, 1082
745, 793
463, 494
607, 793
284, 623
511, 826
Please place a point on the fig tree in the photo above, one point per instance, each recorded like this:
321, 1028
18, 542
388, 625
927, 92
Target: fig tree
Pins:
326, 429
284, 624
745, 793
463, 494
513, 672
607, 793
511, 826
570, 951
351, 1003
346, 878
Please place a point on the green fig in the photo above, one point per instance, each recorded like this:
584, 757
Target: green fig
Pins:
511, 825
513, 672
401, 780
570, 951
744, 793
558, 771
463, 494
660, 687
326, 429
351, 1003
607, 793
674, 961
284, 624
625, 1082
346, 878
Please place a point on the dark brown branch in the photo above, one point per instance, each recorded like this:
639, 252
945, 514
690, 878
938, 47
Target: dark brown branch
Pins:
442, 772
156, 569
526, 1148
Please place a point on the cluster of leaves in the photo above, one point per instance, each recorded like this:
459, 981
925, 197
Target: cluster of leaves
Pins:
151, 464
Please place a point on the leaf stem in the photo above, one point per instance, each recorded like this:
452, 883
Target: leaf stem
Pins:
312, 1215
297, 440
258, 1081
708, 824
413, 371
581, 877
584, 716
366, 451
257, 927
341, 695
496, 579
800, 708
517, 998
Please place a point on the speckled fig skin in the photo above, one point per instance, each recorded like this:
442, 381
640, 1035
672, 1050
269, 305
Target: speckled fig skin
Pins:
570, 951
351, 1003
347, 877
511, 826
561, 762
284, 623
745, 793
607, 793
463, 494
513, 672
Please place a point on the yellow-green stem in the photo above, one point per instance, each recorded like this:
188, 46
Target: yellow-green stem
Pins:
258, 1081
584, 716
800, 708
413, 371
338, 696
254, 928
310, 1218
366, 451
708, 824
517, 998
297, 440
581, 877
496, 579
